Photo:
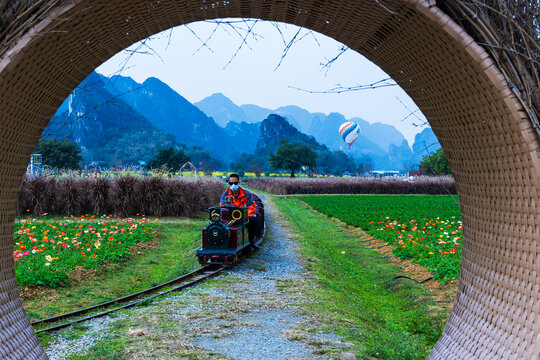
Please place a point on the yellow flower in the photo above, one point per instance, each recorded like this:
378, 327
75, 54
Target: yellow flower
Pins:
431, 253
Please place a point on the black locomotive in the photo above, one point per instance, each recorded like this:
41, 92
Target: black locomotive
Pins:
226, 238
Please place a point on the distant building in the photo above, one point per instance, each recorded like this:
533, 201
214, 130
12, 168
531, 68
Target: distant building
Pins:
384, 173
35, 166
416, 172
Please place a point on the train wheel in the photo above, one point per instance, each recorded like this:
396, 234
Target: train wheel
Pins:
201, 261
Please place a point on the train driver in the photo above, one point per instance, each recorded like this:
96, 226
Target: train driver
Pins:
237, 196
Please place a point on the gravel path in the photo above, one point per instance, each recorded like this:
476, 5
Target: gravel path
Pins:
268, 337
253, 312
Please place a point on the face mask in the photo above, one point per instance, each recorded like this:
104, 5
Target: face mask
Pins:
234, 187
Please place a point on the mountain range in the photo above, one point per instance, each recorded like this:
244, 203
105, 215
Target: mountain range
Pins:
117, 120
385, 144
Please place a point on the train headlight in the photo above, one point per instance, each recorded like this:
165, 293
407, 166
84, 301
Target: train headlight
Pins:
216, 235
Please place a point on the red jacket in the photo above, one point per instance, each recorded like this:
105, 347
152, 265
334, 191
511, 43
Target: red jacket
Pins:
244, 199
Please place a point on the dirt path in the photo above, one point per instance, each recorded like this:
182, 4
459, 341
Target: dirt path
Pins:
252, 312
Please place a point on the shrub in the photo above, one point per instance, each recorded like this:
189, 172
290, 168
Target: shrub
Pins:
124, 196
418, 185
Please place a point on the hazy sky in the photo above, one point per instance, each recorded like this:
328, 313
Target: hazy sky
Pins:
178, 58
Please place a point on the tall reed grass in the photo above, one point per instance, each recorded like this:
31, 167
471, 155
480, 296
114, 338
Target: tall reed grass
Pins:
417, 185
124, 196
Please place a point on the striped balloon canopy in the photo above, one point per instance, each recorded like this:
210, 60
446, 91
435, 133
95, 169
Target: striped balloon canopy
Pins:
349, 132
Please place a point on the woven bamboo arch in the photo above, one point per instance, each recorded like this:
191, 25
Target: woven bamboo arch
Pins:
489, 141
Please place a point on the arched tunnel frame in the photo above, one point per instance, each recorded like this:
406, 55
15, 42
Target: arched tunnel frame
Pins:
490, 143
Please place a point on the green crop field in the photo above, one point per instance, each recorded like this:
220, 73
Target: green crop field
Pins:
425, 228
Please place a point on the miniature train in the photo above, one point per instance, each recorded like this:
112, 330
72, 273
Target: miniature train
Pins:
226, 239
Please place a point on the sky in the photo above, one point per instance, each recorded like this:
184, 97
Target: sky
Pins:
203, 58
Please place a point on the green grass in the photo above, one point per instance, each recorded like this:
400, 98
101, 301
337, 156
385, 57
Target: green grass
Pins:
424, 228
173, 256
355, 294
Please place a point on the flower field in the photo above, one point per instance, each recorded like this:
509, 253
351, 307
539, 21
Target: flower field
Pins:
424, 228
48, 249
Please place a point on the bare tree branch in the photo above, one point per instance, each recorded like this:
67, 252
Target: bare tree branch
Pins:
169, 39
315, 38
413, 113
326, 66
527, 57
276, 25
342, 89
287, 48
140, 45
207, 39
204, 43
250, 29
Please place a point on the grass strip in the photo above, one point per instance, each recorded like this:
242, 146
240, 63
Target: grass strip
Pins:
354, 292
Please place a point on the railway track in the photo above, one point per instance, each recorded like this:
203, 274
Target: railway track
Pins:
131, 300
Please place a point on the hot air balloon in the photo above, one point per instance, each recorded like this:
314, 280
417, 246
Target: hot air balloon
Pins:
349, 132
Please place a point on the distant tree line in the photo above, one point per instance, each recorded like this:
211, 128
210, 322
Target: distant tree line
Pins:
65, 154
293, 157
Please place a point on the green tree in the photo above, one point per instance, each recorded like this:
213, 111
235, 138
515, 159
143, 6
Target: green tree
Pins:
247, 163
334, 162
60, 154
365, 164
435, 164
202, 157
293, 156
169, 158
